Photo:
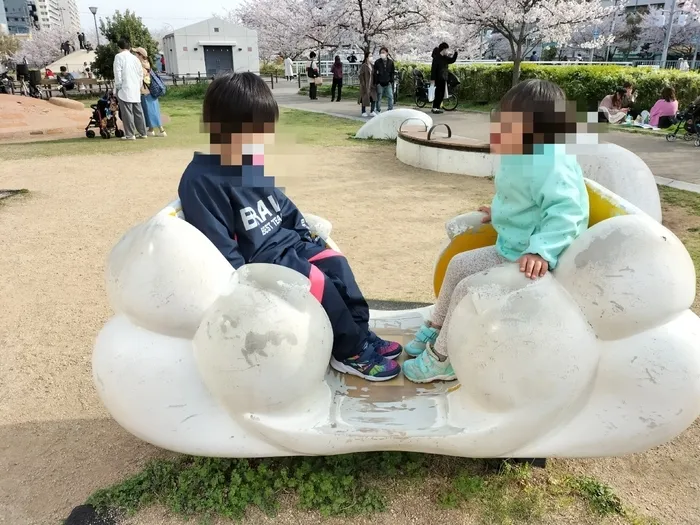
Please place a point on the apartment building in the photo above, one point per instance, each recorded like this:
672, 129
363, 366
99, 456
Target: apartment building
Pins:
70, 17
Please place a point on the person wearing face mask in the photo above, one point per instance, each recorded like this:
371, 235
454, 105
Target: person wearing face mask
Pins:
384, 79
439, 73
367, 91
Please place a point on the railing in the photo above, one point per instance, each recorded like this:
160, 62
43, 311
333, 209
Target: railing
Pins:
669, 64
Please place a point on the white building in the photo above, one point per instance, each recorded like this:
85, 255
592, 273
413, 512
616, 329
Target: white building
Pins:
70, 17
210, 47
49, 14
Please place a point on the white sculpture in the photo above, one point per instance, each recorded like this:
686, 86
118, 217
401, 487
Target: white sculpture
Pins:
598, 358
386, 125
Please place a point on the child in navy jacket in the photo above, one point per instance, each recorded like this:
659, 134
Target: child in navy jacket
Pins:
227, 196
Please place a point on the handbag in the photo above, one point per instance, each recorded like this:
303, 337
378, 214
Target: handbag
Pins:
318, 81
431, 93
157, 86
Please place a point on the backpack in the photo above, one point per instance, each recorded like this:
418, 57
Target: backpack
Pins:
157, 87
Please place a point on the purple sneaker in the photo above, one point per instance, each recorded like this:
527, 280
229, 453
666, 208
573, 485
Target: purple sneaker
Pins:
387, 349
369, 365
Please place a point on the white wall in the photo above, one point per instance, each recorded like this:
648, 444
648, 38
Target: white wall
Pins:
184, 49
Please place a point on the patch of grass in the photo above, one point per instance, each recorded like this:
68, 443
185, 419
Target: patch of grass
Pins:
599, 497
184, 131
205, 487
685, 199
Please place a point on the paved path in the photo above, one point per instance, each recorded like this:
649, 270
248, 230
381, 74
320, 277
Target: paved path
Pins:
674, 164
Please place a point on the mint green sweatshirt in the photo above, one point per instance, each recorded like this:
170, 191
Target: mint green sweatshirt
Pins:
541, 203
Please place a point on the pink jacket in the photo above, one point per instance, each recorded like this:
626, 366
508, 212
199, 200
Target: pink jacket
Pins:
662, 109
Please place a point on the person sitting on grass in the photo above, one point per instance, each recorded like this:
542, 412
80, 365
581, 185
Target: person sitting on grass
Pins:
227, 196
663, 113
540, 207
610, 108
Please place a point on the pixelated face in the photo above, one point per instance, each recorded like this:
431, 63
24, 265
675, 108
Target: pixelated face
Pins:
233, 146
507, 130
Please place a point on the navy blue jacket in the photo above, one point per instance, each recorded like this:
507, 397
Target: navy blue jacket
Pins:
240, 210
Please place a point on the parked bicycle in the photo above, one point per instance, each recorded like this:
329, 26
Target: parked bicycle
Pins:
422, 88
7, 84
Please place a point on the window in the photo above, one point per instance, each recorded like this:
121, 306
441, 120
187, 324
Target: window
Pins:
216, 30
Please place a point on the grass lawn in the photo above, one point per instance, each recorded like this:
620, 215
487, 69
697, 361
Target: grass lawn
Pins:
184, 131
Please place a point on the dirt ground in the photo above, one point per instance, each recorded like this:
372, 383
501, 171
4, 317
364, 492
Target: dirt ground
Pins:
57, 443
25, 116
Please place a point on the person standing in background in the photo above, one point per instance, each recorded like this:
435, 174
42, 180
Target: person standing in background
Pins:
288, 69
337, 72
149, 103
440, 73
162, 63
128, 81
367, 91
384, 79
313, 74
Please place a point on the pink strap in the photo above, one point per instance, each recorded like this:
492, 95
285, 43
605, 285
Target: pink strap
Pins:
325, 254
318, 282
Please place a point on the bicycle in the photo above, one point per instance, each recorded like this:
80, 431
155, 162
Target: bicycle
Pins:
422, 88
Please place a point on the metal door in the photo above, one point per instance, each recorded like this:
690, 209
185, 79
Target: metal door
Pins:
218, 59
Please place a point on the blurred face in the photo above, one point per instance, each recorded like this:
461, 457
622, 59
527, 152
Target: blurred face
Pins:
507, 129
248, 143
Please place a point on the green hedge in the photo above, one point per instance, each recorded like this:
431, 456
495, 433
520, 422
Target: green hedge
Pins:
587, 85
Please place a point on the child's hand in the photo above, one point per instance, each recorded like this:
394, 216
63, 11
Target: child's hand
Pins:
487, 211
533, 266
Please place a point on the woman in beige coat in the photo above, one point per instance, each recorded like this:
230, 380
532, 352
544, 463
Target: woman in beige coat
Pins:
150, 104
367, 90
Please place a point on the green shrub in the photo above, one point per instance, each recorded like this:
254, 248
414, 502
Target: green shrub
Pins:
270, 68
188, 91
587, 85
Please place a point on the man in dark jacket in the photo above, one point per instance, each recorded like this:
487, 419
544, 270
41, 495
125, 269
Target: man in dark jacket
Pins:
439, 73
384, 79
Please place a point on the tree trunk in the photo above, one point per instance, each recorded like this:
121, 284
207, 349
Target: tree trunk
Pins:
517, 59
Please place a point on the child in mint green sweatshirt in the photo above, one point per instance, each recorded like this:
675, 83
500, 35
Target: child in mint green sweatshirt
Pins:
540, 207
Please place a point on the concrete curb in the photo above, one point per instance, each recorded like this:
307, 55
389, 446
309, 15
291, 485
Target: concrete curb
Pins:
678, 184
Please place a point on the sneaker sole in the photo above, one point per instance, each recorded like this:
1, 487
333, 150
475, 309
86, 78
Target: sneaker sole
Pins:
432, 379
340, 367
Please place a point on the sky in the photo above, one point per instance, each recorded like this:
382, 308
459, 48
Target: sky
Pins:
155, 13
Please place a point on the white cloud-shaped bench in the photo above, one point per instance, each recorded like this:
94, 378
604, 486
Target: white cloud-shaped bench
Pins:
599, 358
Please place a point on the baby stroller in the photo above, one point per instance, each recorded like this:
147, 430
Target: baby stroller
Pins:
104, 117
690, 121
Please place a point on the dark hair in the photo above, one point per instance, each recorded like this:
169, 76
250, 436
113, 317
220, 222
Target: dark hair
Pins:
337, 59
628, 85
123, 44
668, 94
383, 49
312, 54
63, 69
545, 107
238, 103
443, 46
366, 58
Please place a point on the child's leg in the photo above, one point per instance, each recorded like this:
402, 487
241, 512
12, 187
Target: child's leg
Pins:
433, 364
461, 266
351, 352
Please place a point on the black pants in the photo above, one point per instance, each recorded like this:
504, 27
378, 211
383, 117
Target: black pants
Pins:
634, 113
312, 90
337, 83
439, 93
333, 282
667, 122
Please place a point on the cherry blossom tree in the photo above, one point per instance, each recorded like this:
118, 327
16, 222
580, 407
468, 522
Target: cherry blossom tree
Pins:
418, 45
686, 28
371, 23
526, 23
291, 27
43, 48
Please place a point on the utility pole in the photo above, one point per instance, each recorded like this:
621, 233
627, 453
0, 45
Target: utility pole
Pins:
667, 42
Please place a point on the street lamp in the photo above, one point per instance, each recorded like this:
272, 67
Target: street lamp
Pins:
681, 22
93, 10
